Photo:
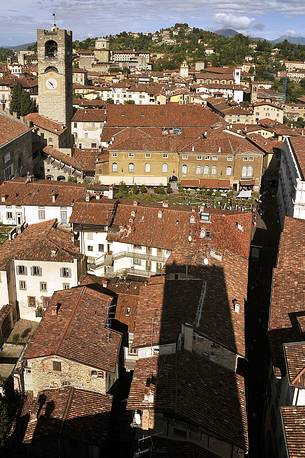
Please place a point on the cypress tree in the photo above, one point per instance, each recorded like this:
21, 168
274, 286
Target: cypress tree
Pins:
16, 99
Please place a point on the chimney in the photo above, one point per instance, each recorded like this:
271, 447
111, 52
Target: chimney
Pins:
87, 198
104, 282
4, 197
160, 214
110, 192
236, 306
54, 196
98, 196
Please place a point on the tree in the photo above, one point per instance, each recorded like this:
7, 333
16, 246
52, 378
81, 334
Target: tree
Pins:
21, 102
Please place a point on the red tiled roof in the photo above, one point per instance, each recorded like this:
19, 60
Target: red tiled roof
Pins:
78, 331
298, 146
45, 123
10, 129
89, 115
169, 115
288, 291
193, 394
94, 213
293, 419
81, 414
41, 242
295, 361
40, 192
81, 159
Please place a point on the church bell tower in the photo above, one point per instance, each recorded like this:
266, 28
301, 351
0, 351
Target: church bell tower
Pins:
54, 49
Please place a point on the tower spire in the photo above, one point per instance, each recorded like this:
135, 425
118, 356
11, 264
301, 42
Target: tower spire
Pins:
54, 20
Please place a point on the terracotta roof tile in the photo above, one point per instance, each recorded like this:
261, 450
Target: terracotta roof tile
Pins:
45, 123
89, 115
95, 213
293, 419
193, 395
78, 414
40, 192
10, 129
78, 331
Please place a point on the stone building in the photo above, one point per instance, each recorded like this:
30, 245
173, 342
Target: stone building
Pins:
74, 344
55, 74
15, 148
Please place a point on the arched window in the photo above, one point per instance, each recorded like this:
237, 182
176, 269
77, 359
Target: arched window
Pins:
50, 49
250, 171
198, 170
184, 169
206, 170
164, 167
213, 170
51, 69
147, 167
244, 171
114, 167
131, 167
229, 171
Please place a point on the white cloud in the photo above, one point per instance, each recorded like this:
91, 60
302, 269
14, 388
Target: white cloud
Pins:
235, 21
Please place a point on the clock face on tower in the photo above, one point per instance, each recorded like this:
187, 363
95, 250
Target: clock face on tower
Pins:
51, 83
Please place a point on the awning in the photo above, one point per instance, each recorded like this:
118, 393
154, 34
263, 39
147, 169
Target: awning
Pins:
246, 182
245, 194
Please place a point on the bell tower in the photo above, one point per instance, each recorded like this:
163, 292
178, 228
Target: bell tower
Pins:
54, 48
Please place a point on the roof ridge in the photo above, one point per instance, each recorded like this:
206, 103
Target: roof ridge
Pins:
70, 320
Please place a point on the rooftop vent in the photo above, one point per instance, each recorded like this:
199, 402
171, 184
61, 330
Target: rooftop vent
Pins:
192, 219
160, 214
236, 306
87, 198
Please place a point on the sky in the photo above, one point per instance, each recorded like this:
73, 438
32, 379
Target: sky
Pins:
269, 19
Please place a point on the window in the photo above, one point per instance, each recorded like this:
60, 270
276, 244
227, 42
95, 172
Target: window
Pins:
147, 167
164, 168
244, 171
213, 170
229, 171
165, 156
184, 169
250, 171
115, 155
7, 157
21, 270
86, 134
198, 170
137, 262
101, 247
65, 272
43, 286
36, 271
75, 124
89, 235
185, 156
22, 284
199, 158
41, 213
57, 366
130, 154
206, 170
250, 158
130, 167
90, 248
63, 215
206, 158
95, 374
245, 158
9, 215
65, 285
114, 167
93, 145
31, 301
229, 158
147, 155
214, 158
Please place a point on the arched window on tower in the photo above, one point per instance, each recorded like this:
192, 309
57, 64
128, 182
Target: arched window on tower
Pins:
51, 69
50, 49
